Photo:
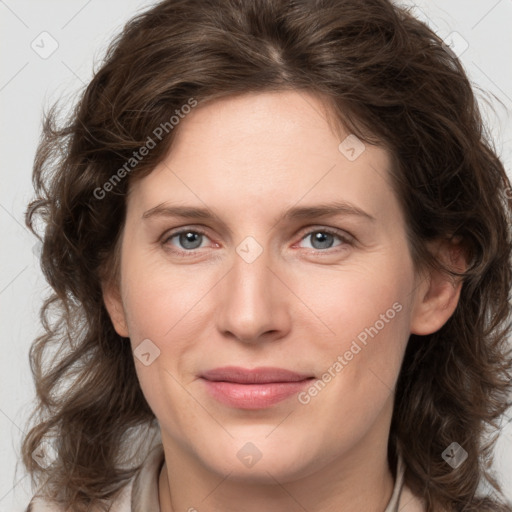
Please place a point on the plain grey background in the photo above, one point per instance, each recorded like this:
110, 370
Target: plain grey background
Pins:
48, 51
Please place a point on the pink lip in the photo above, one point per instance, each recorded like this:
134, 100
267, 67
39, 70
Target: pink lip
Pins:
253, 389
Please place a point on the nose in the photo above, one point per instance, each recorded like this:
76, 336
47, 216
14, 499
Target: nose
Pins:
253, 301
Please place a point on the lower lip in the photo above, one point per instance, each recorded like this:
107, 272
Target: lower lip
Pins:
253, 396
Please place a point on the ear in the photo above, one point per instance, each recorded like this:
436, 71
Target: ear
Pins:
114, 304
438, 294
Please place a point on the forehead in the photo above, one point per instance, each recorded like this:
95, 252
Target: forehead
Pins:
259, 152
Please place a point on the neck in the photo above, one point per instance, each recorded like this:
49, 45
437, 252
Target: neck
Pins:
359, 480
313, 495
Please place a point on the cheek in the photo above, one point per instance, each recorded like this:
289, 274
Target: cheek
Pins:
361, 334
350, 301
367, 314
158, 297
164, 304
159, 304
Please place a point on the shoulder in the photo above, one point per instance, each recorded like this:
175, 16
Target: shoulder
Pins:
121, 504
409, 502
39, 504
140, 490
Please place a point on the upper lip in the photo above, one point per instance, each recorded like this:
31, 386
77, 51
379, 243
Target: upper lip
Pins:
261, 375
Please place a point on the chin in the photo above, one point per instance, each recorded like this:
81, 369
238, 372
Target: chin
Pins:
257, 462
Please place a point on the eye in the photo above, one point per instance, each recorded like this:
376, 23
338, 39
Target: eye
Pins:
188, 239
324, 238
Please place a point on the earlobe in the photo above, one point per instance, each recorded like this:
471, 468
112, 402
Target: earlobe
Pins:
437, 296
114, 306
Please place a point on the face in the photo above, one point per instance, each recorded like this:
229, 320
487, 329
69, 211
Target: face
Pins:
263, 240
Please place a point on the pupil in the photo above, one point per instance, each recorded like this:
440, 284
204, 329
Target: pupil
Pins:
323, 239
189, 239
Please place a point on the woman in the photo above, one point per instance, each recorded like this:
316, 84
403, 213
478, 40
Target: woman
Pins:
279, 245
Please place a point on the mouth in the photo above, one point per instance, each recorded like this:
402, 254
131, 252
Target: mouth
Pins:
257, 388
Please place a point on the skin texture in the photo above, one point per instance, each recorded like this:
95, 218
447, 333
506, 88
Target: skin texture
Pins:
298, 305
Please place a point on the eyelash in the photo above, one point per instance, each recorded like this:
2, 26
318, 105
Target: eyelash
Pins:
346, 240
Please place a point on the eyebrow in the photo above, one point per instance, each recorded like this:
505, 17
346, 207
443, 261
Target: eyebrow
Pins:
293, 213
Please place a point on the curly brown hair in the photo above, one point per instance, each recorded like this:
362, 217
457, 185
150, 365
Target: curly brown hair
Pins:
389, 79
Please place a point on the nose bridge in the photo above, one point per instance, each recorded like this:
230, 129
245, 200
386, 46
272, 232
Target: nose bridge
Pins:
252, 303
